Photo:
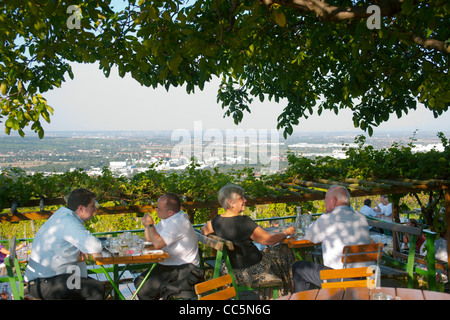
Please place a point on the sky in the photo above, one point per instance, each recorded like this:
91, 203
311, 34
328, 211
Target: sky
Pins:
92, 102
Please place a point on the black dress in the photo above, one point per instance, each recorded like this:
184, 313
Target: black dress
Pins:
251, 266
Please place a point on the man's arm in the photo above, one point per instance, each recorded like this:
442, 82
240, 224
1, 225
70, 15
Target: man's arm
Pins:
151, 234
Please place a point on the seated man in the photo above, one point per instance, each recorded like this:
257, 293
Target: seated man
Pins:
384, 208
176, 275
338, 227
53, 271
367, 210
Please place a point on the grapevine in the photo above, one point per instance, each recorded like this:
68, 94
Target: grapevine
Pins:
201, 185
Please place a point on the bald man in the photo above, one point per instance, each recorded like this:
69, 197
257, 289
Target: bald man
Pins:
176, 275
338, 227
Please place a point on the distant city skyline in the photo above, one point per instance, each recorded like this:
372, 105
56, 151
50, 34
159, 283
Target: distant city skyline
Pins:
92, 102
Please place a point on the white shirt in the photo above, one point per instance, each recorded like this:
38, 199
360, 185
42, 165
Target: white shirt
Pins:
57, 245
180, 238
368, 211
385, 209
440, 247
341, 227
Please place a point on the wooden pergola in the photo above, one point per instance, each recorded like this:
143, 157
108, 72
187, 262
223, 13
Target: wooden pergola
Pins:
296, 191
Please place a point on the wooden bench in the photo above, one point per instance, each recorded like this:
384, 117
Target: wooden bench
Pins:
95, 272
221, 248
126, 282
407, 268
125, 285
421, 259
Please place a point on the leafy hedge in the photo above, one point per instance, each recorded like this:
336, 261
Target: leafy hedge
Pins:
363, 162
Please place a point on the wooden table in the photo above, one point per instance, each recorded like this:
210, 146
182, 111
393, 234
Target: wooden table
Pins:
295, 242
366, 294
299, 245
105, 258
298, 242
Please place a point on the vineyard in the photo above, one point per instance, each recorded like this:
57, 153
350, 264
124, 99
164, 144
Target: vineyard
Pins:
412, 180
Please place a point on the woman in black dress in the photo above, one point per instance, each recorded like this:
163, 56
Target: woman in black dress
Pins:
250, 265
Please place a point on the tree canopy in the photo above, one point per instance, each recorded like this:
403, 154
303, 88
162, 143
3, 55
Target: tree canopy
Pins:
374, 57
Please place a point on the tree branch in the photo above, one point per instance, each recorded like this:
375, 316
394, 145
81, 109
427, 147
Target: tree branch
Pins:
430, 43
328, 12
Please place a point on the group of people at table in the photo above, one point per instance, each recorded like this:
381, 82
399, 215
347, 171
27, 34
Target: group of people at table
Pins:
63, 241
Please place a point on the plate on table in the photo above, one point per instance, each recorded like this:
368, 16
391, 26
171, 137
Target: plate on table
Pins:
153, 252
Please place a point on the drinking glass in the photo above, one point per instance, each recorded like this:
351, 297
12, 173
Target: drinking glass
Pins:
379, 296
297, 224
306, 222
114, 246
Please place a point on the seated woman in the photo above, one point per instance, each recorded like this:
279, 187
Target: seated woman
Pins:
420, 240
250, 265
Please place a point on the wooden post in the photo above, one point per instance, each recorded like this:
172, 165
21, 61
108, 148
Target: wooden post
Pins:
395, 206
396, 219
213, 211
191, 214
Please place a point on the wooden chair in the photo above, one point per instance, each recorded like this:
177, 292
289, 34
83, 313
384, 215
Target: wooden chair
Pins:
225, 283
346, 275
222, 247
14, 273
362, 253
371, 252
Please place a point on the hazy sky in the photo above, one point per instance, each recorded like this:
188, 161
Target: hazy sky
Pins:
93, 102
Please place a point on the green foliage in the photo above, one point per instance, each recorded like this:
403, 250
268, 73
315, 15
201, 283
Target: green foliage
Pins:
367, 163
36, 48
202, 185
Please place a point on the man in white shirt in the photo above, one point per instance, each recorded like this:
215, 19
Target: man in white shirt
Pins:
53, 271
177, 274
367, 210
338, 227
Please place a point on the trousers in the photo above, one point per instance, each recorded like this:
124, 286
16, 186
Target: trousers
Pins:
60, 288
166, 282
305, 273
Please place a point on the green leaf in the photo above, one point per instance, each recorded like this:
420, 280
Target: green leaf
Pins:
407, 7
279, 18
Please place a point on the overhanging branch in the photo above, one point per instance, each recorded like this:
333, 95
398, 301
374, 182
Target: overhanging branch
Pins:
327, 12
430, 43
